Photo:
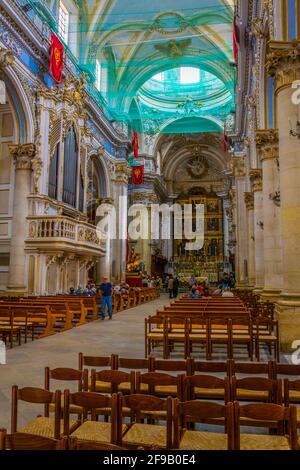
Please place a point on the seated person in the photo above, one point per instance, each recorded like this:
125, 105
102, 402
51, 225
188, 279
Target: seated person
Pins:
194, 294
79, 290
72, 291
227, 293
218, 292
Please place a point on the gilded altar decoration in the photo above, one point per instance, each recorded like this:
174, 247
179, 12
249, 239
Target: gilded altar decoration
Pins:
197, 167
134, 262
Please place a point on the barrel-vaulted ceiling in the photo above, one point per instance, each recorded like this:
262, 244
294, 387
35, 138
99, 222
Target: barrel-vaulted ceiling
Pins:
136, 39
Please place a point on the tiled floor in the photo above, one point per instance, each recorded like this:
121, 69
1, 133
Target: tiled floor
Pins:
124, 335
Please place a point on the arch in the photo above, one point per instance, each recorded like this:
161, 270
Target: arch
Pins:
19, 102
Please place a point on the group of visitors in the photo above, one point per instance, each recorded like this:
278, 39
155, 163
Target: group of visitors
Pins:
89, 290
151, 281
173, 286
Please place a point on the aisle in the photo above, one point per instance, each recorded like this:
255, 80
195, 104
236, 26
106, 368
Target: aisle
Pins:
123, 335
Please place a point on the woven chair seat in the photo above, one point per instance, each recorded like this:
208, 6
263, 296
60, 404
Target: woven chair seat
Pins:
263, 442
95, 431
44, 427
195, 440
101, 386
146, 435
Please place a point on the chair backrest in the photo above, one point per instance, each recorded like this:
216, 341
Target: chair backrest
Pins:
95, 361
92, 403
291, 386
114, 377
36, 396
66, 374
158, 379
268, 413
139, 404
259, 384
24, 441
200, 411
172, 365
209, 382
209, 367
133, 364
250, 368
285, 369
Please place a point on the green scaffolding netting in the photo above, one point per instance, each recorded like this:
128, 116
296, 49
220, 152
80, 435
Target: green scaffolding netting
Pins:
159, 65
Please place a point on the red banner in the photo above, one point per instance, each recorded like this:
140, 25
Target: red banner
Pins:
225, 142
56, 58
138, 174
235, 40
135, 144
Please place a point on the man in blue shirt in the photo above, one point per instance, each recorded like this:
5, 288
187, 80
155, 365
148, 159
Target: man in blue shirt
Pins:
106, 298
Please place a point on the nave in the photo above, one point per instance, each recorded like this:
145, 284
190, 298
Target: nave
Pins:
217, 381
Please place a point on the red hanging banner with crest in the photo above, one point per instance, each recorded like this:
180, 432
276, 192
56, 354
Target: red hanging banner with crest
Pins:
56, 58
138, 174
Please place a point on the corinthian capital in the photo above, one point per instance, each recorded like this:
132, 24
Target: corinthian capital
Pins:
283, 62
267, 140
23, 154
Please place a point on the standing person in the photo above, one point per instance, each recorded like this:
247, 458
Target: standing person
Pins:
171, 286
175, 287
106, 298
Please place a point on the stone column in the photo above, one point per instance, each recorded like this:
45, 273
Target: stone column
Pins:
103, 265
249, 201
239, 171
23, 156
267, 144
118, 246
283, 64
256, 186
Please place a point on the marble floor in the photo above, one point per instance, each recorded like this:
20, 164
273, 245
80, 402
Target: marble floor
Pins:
124, 335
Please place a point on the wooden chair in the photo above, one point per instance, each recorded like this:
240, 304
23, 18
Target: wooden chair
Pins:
155, 327
176, 332
24, 441
142, 434
267, 333
242, 334
119, 381
133, 364
206, 387
219, 332
292, 395
159, 384
93, 404
198, 335
267, 413
42, 425
8, 328
191, 412
256, 389
98, 362
80, 377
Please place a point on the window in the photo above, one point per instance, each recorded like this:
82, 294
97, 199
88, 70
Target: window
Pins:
98, 75
63, 22
189, 75
159, 77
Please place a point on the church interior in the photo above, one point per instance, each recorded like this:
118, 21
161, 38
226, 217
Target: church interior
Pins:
122, 124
